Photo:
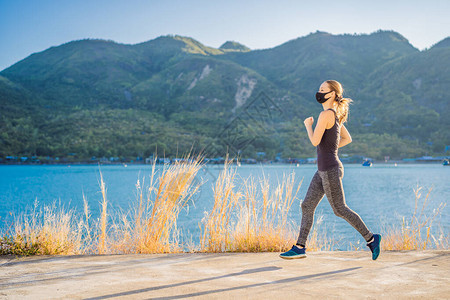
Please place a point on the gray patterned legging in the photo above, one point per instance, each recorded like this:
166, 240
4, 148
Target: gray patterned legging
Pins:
330, 183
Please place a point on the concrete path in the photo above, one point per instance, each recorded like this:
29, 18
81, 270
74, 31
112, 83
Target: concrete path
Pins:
322, 275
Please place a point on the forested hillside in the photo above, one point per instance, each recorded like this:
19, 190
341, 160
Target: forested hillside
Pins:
100, 98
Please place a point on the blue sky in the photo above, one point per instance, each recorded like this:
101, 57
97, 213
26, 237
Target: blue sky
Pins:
28, 26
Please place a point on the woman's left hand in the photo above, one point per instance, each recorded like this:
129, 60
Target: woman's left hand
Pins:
309, 121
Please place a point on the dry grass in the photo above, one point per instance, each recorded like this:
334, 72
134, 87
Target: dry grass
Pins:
247, 216
263, 223
152, 227
215, 234
318, 239
103, 218
415, 234
253, 217
48, 231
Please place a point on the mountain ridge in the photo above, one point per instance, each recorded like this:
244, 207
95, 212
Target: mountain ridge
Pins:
195, 90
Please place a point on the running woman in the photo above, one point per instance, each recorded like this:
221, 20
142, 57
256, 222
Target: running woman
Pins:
329, 135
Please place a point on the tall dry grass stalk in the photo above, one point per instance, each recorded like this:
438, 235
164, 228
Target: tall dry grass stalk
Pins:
215, 233
152, 228
86, 229
415, 234
103, 218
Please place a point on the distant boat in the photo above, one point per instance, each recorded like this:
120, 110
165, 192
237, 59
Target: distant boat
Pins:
367, 163
446, 162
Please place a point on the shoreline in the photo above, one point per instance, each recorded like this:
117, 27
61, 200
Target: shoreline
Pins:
323, 274
398, 162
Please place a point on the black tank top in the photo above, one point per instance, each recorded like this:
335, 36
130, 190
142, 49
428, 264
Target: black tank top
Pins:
327, 150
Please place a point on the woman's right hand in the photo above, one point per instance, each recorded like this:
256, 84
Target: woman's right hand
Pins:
309, 121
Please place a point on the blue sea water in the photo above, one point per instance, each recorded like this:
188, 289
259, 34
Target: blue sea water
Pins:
382, 194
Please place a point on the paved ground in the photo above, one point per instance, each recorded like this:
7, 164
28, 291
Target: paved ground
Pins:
322, 275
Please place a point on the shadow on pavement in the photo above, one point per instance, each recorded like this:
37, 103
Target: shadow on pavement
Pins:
248, 271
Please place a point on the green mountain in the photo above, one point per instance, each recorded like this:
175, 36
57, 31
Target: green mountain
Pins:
300, 65
445, 43
101, 98
234, 46
408, 97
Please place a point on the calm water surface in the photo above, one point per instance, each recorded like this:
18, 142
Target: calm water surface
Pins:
381, 194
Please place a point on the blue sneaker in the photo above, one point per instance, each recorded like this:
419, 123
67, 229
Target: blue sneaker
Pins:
295, 252
375, 246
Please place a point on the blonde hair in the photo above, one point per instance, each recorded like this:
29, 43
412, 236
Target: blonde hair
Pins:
342, 110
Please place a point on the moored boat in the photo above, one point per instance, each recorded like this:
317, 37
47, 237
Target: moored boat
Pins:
367, 163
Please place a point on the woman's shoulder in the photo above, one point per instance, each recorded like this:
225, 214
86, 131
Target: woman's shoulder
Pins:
332, 110
328, 117
328, 114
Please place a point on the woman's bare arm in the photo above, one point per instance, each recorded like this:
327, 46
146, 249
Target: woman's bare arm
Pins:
315, 136
345, 137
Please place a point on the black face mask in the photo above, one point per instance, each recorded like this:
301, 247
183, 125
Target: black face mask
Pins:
320, 97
